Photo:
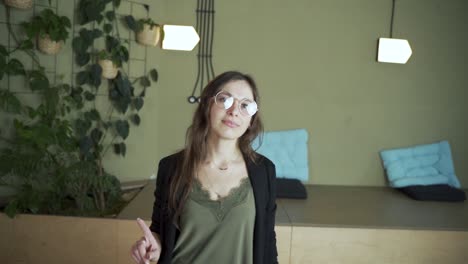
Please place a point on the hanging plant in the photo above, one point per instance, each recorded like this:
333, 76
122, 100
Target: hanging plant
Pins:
50, 30
93, 10
109, 69
147, 31
112, 57
48, 46
149, 35
115, 51
20, 4
82, 44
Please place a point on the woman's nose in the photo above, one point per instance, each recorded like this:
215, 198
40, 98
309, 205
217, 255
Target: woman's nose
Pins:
234, 109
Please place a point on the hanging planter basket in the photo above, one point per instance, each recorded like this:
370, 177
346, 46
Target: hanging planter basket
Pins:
48, 46
109, 70
20, 4
149, 36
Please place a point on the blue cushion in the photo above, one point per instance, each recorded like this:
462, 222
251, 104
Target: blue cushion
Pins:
420, 165
288, 150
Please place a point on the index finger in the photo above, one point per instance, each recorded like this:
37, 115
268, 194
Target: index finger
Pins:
146, 230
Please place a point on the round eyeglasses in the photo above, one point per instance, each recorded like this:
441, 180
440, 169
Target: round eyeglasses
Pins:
246, 106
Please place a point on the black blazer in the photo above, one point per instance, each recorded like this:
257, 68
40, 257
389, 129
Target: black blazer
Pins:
262, 176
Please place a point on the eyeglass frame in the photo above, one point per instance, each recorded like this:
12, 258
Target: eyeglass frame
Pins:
238, 104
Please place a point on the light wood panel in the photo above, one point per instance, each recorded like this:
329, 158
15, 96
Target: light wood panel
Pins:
6, 237
360, 246
57, 239
283, 243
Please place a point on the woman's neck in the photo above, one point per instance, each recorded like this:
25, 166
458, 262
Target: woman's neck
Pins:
223, 151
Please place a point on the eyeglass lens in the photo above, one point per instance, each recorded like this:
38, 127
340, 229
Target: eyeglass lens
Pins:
226, 100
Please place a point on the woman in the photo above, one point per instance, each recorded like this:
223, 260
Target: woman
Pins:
215, 199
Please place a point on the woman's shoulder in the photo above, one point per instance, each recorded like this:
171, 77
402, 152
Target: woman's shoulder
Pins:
263, 160
171, 159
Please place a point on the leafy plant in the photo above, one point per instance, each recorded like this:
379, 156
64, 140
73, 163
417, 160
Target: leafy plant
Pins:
92, 10
8, 101
138, 25
82, 43
42, 164
94, 131
37, 79
48, 23
54, 159
114, 51
33, 160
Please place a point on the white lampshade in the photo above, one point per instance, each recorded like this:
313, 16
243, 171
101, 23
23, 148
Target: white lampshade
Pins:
394, 50
179, 37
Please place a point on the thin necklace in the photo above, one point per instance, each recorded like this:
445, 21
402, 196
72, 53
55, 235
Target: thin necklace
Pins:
221, 167
225, 165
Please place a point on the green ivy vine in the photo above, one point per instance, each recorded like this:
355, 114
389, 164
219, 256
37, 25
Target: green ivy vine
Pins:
54, 159
121, 89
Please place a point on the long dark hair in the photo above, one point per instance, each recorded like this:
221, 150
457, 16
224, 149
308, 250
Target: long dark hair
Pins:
195, 151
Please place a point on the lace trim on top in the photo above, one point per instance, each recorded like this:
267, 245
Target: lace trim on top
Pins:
221, 207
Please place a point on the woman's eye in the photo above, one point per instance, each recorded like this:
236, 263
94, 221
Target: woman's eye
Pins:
222, 98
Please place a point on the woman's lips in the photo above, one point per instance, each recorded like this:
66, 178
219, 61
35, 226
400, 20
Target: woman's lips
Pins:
230, 124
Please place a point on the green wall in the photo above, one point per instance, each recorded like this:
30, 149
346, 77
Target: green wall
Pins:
315, 64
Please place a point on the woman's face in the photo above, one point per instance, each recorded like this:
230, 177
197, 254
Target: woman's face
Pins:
231, 123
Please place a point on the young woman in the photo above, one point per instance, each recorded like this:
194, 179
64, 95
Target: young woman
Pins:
215, 199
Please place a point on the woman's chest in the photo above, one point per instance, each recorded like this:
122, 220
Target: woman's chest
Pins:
219, 184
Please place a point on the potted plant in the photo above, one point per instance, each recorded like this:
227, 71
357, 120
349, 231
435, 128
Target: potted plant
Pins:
42, 167
109, 68
20, 4
50, 29
147, 31
112, 57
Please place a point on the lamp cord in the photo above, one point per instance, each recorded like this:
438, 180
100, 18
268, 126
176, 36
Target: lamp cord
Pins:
205, 28
391, 21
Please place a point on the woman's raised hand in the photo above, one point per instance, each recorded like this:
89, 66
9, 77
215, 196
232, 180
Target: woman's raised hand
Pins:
148, 248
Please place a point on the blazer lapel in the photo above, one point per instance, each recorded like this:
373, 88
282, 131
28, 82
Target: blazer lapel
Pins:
257, 180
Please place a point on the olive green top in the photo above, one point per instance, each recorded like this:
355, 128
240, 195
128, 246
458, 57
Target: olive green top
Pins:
217, 231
